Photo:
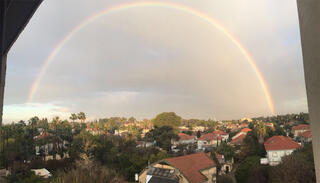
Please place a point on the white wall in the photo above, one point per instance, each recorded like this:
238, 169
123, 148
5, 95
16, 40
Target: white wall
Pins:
274, 157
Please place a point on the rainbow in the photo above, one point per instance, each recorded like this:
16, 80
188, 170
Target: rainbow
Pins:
170, 5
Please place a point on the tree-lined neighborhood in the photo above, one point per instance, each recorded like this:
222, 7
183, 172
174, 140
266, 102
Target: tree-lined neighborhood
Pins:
118, 149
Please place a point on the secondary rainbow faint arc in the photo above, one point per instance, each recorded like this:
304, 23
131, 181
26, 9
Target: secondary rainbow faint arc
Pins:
174, 6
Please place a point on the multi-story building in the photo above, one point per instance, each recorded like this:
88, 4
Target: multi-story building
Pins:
279, 146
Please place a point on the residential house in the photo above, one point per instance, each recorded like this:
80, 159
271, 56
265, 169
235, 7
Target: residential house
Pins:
232, 127
192, 168
296, 130
238, 140
145, 144
208, 140
271, 126
243, 125
198, 128
243, 131
306, 136
183, 128
42, 145
279, 146
184, 139
226, 166
224, 135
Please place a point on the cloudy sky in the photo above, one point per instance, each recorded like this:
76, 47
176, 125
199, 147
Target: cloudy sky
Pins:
145, 60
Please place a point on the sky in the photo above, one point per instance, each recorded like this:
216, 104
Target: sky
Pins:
142, 61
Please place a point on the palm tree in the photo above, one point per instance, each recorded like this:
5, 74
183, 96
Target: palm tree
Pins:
261, 131
73, 117
33, 122
55, 123
82, 116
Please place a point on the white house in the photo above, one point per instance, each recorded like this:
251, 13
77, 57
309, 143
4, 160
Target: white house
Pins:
183, 139
306, 136
296, 130
279, 146
208, 140
224, 135
198, 128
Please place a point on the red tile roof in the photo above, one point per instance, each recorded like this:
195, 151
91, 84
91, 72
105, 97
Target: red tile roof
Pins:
184, 136
239, 139
280, 143
306, 134
191, 165
301, 127
220, 132
246, 130
210, 136
269, 124
41, 136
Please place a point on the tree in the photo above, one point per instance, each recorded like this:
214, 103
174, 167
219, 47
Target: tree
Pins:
132, 119
167, 119
82, 117
162, 136
76, 148
198, 134
73, 117
34, 121
226, 150
295, 168
245, 169
225, 179
251, 146
261, 130
112, 124
87, 173
43, 123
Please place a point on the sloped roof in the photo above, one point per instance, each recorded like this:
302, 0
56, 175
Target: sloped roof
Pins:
184, 136
301, 127
210, 136
41, 136
246, 130
269, 124
280, 143
239, 139
220, 132
191, 165
306, 134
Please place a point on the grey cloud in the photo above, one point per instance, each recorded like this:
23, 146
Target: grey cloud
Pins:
147, 60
